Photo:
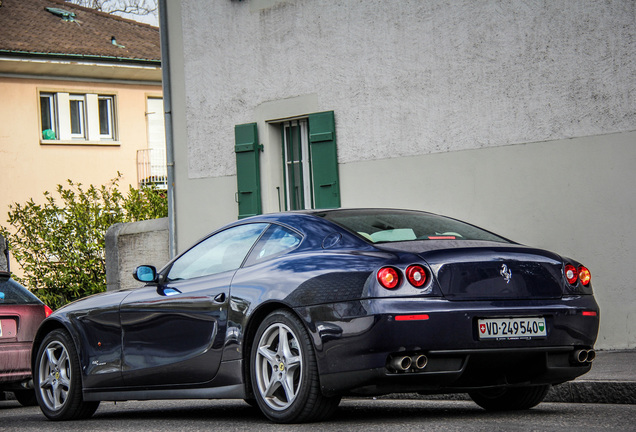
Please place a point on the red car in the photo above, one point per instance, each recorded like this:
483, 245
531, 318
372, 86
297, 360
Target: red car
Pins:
20, 315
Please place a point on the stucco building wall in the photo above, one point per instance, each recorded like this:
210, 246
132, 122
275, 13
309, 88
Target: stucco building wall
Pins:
31, 166
410, 77
519, 117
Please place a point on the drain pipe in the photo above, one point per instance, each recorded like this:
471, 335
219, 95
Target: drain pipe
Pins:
167, 108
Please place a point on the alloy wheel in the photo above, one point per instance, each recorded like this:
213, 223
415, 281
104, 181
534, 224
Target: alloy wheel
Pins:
279, 366
54, 375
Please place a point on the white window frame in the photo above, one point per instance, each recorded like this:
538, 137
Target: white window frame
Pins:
88, 105
80, 99
52, 113
110, 115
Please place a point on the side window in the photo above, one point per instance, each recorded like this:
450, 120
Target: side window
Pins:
220, 252
276, 241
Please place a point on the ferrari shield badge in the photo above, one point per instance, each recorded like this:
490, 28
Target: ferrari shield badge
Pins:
506, 273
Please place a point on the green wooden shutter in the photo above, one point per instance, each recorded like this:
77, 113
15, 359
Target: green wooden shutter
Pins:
248, 172
324, 160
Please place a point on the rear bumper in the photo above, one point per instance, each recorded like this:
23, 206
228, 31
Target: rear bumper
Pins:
355, 340
457, 371
15, 363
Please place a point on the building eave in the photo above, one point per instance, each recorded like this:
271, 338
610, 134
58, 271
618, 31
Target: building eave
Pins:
79, 67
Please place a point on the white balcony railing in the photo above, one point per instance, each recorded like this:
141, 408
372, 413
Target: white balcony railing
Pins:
152, 168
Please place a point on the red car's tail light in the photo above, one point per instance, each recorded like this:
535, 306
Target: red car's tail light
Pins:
47, 311
584, 275
571, 274
416, 275
388, 277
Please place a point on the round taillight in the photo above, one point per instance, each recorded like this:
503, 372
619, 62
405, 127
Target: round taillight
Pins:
584, 275
416, 275
388, 277
571, 274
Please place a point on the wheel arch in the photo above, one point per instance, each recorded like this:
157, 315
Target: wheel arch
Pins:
45, 328
251, 328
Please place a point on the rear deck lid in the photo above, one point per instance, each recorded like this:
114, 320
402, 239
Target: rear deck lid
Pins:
491, 271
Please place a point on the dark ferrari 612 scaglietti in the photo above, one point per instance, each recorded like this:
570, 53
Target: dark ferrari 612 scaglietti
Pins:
292, 311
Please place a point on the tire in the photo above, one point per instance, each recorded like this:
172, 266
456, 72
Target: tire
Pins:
26, 397
57, 379
284, 373
514, 398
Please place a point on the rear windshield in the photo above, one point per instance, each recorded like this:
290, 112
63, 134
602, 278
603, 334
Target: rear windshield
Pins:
385, 226
12, 292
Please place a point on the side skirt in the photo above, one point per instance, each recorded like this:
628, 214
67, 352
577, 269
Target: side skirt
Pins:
236, 391
227, 384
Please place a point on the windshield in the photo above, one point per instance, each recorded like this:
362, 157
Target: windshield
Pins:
381, 226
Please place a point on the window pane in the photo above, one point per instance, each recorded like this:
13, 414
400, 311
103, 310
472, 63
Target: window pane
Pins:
276, 241
106, 116
77, 116
12, 292
294, 166
47, 112
402, 225
221, 252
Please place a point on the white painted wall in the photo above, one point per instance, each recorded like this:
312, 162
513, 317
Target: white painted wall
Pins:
517, 116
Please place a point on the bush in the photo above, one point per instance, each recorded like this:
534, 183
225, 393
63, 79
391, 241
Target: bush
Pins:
60, 247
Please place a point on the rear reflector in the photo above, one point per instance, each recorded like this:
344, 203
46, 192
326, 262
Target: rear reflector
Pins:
589, 313
421, 317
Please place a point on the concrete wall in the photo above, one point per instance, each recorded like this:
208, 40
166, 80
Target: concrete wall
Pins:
519, 116
129, 245
3, 257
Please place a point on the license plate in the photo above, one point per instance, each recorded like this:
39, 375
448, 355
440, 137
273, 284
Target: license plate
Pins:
511, 328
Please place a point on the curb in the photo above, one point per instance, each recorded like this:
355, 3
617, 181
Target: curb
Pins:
601, 392
592, 392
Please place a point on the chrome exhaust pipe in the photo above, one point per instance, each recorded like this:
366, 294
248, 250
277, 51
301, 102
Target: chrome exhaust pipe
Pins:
591, 355
401, 363
580, 356
420, 361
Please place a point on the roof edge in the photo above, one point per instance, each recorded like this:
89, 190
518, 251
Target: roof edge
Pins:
64, 56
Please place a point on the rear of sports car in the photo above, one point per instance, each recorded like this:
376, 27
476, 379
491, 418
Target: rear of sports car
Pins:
495, 319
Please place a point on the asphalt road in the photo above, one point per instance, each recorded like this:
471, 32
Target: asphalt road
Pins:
353, 415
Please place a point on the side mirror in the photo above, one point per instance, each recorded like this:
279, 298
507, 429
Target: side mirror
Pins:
145, 273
